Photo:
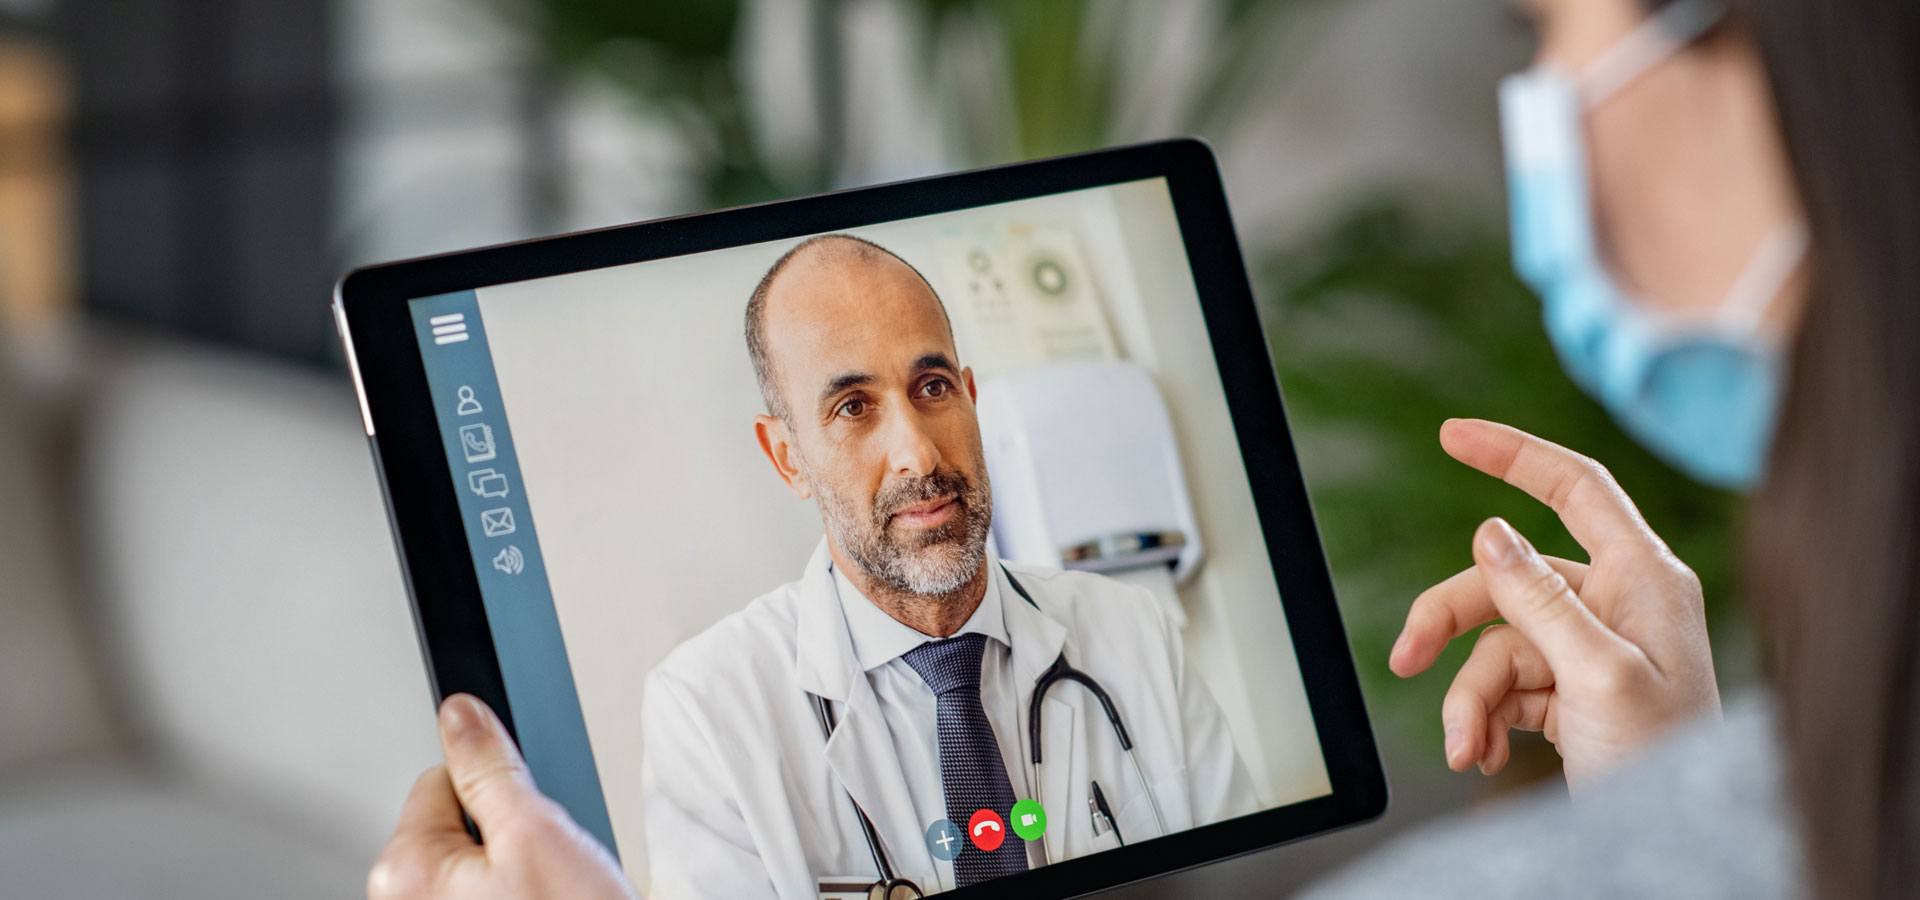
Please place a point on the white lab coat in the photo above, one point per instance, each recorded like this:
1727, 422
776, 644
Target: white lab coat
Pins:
744, 797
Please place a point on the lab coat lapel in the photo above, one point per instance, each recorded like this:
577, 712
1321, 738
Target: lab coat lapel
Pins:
862, 758
1039, 639
1060, 727
860, 753
1036, 637
823, 661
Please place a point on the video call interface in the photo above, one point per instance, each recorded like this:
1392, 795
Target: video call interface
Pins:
923, 549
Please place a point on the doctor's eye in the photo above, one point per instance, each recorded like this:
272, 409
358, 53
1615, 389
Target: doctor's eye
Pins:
852, 408
936, 388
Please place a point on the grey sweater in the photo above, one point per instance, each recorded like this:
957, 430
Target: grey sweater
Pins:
1702, 814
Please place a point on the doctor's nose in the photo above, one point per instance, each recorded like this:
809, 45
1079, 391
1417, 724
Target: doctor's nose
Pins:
910, 450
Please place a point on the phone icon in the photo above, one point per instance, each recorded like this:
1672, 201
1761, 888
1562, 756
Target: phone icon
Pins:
987, 830
476, 442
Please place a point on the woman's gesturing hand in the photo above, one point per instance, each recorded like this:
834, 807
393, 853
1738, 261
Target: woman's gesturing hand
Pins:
1602, 656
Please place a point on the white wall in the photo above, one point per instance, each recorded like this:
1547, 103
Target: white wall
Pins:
631, 400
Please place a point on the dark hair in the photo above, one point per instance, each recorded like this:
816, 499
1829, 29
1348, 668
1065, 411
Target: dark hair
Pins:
757, 305
1833, 564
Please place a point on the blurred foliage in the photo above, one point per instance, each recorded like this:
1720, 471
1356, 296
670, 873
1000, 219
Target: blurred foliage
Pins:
1049, 75
1382, 327
1066, 63
1381, 330
678, 59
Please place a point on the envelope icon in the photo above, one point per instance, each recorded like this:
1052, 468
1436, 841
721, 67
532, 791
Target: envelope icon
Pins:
497, 522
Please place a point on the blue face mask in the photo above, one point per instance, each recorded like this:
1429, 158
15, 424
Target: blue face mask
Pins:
1701, 392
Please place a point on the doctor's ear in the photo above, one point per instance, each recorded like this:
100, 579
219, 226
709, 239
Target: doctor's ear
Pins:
966, 376
777, 443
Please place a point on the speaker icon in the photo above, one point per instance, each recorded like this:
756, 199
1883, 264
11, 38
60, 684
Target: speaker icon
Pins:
510, 560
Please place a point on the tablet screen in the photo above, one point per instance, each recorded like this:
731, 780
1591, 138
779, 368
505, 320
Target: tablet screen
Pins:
925, 547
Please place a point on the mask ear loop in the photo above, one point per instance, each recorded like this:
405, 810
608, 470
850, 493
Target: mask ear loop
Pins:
1680, 24
1754, 292
1743, 310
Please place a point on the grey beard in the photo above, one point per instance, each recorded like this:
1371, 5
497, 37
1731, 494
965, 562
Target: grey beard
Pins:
938, 565
939, 570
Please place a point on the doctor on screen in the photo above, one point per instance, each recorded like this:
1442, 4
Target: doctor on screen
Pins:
894, 679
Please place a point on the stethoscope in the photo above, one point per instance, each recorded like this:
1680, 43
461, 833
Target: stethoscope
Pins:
893, 887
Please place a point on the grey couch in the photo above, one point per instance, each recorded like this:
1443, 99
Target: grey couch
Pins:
209, 684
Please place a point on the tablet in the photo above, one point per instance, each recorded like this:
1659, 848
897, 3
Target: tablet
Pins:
942, 536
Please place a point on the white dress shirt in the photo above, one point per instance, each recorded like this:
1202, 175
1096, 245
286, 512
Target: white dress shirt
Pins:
879, 641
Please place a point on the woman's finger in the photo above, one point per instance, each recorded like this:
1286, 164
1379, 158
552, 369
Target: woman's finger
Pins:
486, 769
1585, 496
1452, 608
430, 834
1521, 711
1502, 661
1536, 599
431, 808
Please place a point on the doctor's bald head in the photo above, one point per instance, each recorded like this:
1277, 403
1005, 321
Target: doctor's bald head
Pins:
870, 412
828, 254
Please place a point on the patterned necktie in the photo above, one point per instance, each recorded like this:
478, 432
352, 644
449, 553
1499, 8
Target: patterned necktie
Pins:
972, 774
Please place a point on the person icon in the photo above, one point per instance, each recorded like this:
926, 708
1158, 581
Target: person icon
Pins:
468, 405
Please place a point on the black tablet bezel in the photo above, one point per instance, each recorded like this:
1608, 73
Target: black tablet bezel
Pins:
438, 566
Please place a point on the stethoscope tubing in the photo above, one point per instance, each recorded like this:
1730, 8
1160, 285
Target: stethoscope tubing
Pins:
1061, 671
